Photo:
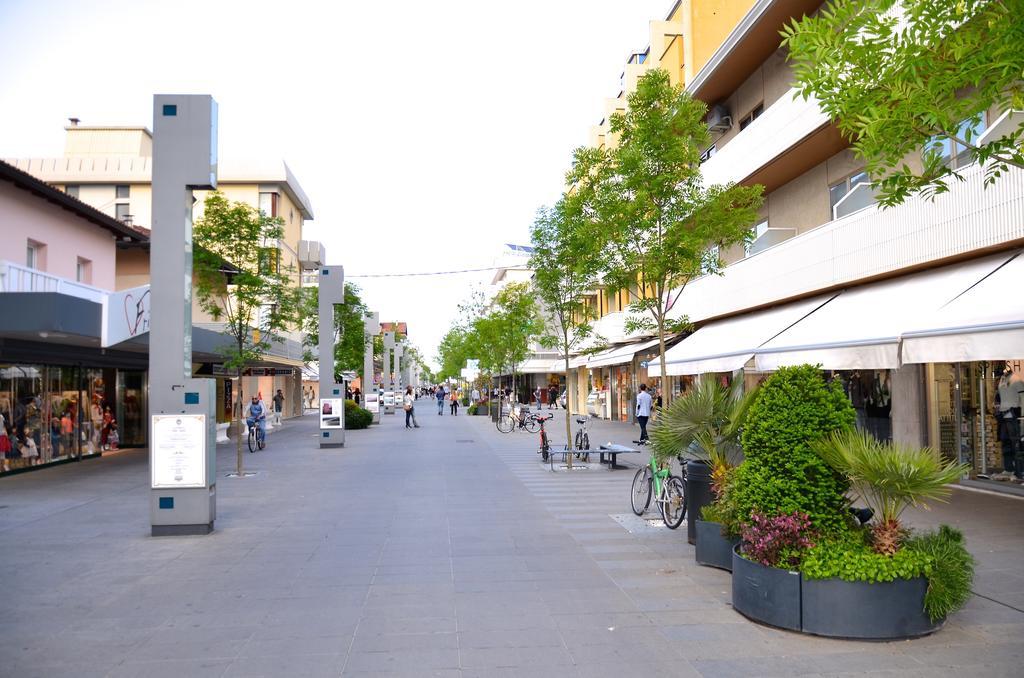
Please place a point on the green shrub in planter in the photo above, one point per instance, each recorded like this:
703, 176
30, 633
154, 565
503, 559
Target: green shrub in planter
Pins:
781, 473
949, 582
939, 556
356, 417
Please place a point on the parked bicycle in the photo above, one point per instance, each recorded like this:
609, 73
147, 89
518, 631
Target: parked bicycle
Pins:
521, 419
668, 491
581, 442
545, 446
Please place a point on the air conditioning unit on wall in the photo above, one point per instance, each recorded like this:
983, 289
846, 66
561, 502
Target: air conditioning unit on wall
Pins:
718, 119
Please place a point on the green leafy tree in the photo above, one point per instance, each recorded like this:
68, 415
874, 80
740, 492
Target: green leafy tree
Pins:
259, 301
502, 336
900, 84
453, 351
565, 263
349, 325
656, 223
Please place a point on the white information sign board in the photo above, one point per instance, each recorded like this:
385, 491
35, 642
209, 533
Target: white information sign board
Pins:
179, 450
330, 412
372, 402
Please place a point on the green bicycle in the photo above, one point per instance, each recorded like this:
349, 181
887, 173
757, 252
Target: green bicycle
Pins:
668, 491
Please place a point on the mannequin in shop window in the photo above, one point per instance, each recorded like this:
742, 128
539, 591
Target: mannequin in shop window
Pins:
1008, 401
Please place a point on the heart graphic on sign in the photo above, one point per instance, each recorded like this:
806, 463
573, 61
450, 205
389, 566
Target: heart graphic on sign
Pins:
135, 313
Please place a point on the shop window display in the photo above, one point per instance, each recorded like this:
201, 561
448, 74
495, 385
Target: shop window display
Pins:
50, 414
870, 393
975, 417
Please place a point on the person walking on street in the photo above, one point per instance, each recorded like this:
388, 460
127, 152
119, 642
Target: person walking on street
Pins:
552, 397
643, 411
455, 403
536, 396
408, 404
278, 406
439, 394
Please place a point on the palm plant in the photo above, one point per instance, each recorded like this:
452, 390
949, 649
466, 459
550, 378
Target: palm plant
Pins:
889, 478
707, 423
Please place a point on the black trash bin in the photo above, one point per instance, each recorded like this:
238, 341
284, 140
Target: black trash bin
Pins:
698, 495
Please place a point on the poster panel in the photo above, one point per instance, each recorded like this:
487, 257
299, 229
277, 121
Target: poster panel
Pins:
330, 412
179, 450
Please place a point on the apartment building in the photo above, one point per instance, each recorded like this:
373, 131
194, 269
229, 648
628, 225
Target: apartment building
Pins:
912, 308
110, 168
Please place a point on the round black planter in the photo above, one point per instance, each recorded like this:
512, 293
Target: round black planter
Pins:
698, 495
830, 607
865, 610
765, 594
713, 548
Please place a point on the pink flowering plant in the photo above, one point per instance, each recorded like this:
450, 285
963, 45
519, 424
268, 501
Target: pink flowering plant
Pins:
777, 541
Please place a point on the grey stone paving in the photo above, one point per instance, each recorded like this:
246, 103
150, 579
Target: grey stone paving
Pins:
408, 553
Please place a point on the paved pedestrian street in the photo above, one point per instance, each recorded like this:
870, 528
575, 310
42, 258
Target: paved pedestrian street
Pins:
444, 551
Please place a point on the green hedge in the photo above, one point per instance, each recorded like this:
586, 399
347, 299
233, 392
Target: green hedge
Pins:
781, 473
356, 417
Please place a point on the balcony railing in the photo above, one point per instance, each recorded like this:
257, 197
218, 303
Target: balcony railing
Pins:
869, 242
18, 278
780, 127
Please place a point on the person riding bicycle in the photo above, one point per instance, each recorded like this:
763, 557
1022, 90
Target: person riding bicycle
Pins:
256, 412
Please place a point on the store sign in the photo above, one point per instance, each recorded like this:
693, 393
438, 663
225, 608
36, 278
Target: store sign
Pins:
179, 450
125, 315
372, 403
268, 372
330, 412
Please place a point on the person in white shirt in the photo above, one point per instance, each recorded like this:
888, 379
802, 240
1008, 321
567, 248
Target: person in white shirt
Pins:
643, 411
409, 405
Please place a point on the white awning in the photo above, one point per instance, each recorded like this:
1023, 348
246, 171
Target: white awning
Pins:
579, 361
984, 322
861, 327
727, 345
541, 366
619, 354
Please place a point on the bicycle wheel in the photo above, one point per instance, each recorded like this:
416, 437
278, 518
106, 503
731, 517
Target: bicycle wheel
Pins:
252, 440
531, 424
641, 495
545, 449
506, 423
579, 440
673, 508
586, 442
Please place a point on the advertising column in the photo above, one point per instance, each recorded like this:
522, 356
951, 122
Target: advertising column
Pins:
371, 391
332, 394
182, 447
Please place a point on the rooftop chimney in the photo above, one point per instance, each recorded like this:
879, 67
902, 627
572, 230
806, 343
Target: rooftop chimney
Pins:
74, 121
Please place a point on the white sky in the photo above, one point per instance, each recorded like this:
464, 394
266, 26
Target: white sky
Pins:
425, 133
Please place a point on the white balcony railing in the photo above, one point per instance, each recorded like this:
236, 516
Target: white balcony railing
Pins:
869, 242
18, 278
780, 127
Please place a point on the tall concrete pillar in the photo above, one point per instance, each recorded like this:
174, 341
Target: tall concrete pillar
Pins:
332, 293
387, 378
370, 388
183, 440
399, 382
909, 413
